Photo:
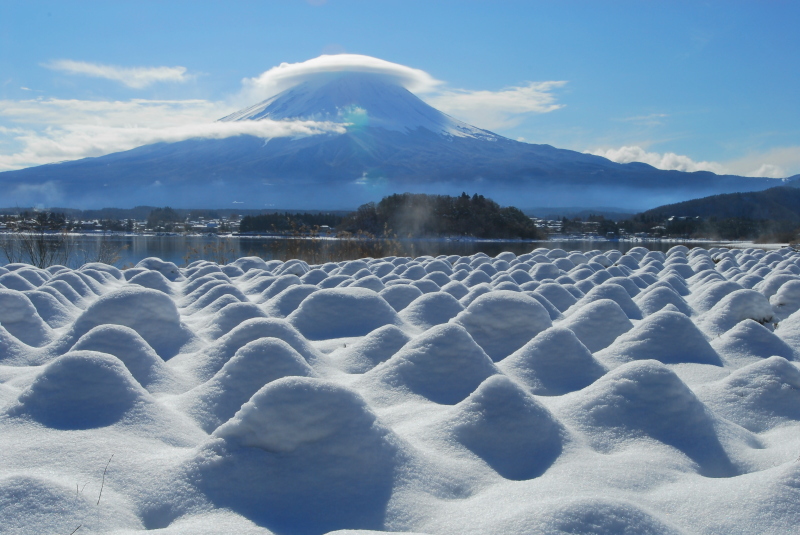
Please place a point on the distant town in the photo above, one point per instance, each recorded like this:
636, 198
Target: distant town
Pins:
189, 223
725, 217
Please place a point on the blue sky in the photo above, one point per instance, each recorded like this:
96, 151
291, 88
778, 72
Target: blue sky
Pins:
686, 85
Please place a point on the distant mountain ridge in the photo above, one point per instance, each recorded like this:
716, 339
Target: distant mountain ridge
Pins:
780, 203
394, 142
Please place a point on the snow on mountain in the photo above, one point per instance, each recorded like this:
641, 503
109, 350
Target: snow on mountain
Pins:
281, 397
362, 100
378, 139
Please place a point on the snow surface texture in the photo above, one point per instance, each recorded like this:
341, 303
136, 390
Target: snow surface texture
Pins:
551, 392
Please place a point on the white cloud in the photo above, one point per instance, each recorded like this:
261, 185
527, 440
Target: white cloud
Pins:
56, 130
134, 77
776, 163
769, 170
486, 109
153, 113
498, 109
81, 141
287, 75
653, 119
668, 160
49, 129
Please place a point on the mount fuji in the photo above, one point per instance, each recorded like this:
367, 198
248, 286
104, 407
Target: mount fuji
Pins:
386, 140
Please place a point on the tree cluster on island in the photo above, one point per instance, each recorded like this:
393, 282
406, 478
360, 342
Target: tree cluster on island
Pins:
411, 215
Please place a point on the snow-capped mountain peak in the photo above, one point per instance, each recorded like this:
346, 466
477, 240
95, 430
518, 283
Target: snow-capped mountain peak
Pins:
363, 100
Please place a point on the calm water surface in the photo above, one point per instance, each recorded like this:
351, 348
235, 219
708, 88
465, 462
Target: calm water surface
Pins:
185, 249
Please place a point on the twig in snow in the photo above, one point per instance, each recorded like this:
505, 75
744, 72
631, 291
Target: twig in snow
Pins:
104, 480
76, 529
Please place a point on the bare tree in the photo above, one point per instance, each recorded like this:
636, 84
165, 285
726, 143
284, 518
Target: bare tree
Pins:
43, 249
107, 252
9, 245
38, 243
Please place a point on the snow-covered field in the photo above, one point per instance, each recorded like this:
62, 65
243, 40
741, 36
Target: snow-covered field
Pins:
545, 393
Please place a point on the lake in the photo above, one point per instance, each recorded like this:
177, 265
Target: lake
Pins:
182, 250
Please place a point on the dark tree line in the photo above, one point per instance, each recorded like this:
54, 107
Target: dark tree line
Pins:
287, 222
716, 228
416, 215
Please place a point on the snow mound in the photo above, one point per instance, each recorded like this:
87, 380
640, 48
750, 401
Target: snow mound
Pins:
650, 302
54, 312
786, 301
135, 353
557, 295
229, 317
14, 281
21, 319
152, 314
733, 308
168, 269
254, 365
654, 338
749, 340
431, 309
443, 365
301, 437
204, 298
378, 346
758, 397
555, 362
503, 321
339, 313
713, 294
279, 285
541, 272
153, 280
80, 390
211, 359
399, 296
601, 516
646, 399
31, 505
598, 324
615, 293
364, 396
507, 428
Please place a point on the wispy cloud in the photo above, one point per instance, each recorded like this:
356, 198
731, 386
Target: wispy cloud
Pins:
79, 129
505, 108
153, 113
652, 119
81, 141
133, 77
668, 160
776, 163
640, 118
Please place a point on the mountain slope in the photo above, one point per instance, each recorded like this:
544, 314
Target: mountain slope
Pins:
393, 142
781, 203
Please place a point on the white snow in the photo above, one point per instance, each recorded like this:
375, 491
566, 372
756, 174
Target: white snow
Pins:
359, 100
551, 392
